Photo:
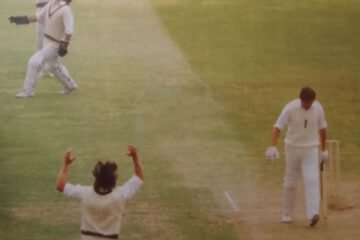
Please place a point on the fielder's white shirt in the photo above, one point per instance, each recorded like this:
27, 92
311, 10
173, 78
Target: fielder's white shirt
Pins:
302, 125
58, 19
102, 213
42, 1
38, 8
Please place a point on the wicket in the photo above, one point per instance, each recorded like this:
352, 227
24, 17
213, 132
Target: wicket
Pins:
333, 164
329, 175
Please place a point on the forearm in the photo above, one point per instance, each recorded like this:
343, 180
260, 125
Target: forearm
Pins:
67, 38
138, 170
275, 135
62, 178
32, 19
323, 139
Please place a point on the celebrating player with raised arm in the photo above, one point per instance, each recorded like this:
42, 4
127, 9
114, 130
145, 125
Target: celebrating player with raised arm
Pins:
102, 204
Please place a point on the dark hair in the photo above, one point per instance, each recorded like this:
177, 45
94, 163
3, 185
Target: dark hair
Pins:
105, 177
307, 94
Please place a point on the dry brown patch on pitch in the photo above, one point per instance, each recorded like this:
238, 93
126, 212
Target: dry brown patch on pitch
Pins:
260, 215
345, 198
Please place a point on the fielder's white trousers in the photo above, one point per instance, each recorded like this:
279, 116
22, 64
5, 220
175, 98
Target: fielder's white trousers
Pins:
46, 55
302, 162
40, 30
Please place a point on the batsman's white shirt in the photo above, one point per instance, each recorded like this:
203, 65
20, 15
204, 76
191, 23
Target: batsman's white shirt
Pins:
102, 213
302, 154
302, 125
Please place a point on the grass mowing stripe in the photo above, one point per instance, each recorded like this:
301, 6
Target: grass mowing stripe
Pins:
98, 118
174, 108
255, 56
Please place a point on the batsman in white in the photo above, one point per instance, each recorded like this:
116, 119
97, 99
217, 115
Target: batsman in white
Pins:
102, 204
59, 26
306, 131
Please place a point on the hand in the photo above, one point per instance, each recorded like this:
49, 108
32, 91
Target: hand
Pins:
272, 153
19, 20
12, 19
131, 151
62, 51
68, 156
324, 156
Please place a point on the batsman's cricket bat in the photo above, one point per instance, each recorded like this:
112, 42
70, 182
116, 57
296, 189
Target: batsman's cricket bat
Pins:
323, 194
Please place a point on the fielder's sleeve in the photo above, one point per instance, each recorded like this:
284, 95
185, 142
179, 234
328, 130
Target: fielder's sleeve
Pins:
68, 19
74, 191
129, 189
40, 15
322, 121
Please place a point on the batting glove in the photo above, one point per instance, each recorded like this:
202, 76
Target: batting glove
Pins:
19, 20
272, 153
62, 51
324, 155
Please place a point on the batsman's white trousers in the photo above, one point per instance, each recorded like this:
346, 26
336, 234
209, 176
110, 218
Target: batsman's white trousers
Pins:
46, 55
302, 162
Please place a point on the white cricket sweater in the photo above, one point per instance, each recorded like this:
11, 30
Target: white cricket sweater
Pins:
302, 125
58, 19
102, 213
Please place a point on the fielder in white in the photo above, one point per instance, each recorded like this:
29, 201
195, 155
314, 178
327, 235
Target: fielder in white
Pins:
102, 204
306, 131
59, 27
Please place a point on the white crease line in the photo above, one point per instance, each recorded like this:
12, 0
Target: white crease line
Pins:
231, 202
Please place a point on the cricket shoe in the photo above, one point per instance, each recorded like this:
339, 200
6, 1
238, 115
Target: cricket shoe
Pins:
314, 220
68, 90
286, 219
24, 94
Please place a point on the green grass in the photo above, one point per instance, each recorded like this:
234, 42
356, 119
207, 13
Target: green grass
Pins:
120, 101
197, 135
256, 55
